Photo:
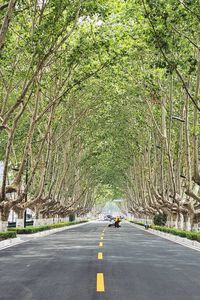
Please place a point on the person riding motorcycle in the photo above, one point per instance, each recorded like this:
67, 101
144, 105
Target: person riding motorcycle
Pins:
117, 221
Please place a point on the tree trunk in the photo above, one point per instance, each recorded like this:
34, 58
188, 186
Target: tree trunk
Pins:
6, 21
189, 222
196, 124
3, 224
4, 213
181, 221
175, 220
20, 219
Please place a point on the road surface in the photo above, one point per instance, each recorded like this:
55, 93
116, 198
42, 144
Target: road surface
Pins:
85, 263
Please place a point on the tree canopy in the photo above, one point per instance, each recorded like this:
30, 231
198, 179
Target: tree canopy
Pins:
100, 99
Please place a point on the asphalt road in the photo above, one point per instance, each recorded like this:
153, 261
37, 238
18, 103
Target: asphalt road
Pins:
135, 266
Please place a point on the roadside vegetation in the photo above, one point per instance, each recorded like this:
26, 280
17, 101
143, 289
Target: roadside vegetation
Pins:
12, 232
191, 235
31, 229
7, 235
182, 233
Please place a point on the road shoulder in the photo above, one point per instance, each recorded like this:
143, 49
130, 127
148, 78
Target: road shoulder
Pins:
22, 238
173, 238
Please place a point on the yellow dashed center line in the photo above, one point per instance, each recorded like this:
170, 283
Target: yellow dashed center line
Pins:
100, 276
100, 282
100, 255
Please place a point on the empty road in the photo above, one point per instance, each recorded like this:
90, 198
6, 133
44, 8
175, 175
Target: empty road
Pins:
94, 262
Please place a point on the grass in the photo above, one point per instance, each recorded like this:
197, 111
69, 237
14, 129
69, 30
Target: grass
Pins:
7, 235
191, 235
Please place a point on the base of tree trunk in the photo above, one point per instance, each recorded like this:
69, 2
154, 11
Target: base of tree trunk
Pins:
20, 223
3, 225
181, 222
38, 222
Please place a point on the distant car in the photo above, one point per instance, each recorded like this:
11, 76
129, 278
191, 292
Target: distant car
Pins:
109, 216
106, 218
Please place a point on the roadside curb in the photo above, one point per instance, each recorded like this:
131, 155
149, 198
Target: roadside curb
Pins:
22, 238
173, 238
10, 242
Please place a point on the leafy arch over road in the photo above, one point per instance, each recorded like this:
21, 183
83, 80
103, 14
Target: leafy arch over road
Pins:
97, 98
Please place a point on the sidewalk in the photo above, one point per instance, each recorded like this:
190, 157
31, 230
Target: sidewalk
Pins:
22, 238
174, 238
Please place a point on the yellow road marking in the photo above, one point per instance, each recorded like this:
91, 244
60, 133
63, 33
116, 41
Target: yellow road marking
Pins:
100, 282
100, 244
100, 255
101, 237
